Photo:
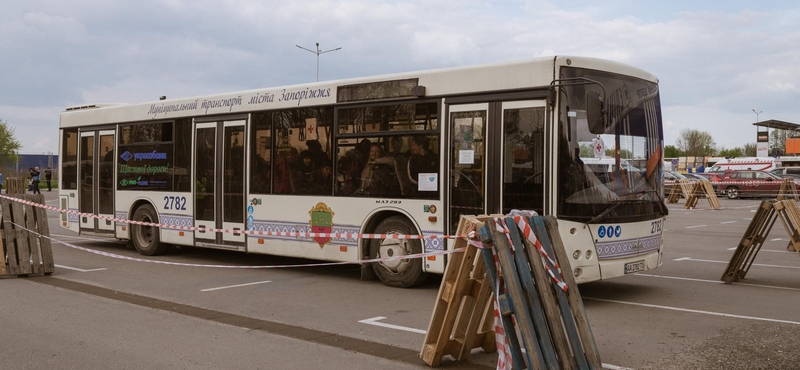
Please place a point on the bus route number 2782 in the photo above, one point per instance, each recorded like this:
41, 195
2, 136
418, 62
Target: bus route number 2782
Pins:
175, 203
655, 227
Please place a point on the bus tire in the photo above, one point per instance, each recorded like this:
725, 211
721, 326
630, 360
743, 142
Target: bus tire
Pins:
147, 239
733, 192
398, 273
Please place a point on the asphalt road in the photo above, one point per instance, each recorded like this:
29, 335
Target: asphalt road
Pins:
99, 312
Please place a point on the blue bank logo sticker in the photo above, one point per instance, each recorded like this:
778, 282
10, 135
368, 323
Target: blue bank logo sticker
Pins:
601, 232
250, 210
126, 156
617, 231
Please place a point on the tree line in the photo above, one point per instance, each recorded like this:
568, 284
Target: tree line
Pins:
696, 143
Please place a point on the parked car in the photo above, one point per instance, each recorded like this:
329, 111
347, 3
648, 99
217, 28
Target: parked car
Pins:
787, 172
740, 184
671, 180
700, 177
713, 177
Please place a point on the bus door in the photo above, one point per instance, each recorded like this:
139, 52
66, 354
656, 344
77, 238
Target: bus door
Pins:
496, 158
219, 183
96, 180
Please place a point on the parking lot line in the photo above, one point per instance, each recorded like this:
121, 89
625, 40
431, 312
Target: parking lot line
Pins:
712, 261
80, 270
695, 226
679, 309
767, 250
376, 321
235, 286
717, 282
727, 222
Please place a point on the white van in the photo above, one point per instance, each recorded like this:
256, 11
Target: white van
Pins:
745, 163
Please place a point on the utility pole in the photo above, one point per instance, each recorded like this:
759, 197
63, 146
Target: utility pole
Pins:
317, 52
757, 121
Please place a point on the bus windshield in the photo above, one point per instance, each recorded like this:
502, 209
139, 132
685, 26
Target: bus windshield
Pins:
615, 160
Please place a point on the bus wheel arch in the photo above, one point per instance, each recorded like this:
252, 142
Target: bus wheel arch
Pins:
145, 239
395, 273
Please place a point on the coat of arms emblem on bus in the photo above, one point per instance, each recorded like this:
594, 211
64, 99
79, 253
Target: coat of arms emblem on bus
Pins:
321, 222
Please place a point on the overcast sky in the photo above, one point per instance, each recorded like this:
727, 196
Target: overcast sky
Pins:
716, 60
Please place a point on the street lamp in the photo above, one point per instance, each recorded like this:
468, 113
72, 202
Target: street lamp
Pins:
757, 121
318, 52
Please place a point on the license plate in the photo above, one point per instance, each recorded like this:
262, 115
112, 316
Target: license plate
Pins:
634, 267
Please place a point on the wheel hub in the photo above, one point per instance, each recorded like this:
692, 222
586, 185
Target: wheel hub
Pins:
394, 248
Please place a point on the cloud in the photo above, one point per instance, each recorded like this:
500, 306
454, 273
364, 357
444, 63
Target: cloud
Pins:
714, 66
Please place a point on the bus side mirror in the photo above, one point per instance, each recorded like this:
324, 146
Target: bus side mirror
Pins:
595, 113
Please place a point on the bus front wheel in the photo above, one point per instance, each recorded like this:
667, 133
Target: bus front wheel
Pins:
401, 273
147, 239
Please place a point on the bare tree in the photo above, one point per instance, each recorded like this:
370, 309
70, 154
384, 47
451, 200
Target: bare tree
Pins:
750, 150
696, 143
777, 140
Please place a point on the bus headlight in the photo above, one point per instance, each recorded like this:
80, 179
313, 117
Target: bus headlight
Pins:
576, 254
588, 254
578, 272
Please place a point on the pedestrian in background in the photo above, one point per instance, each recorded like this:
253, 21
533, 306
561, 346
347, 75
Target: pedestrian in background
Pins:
1, 182
48, 175
35, 179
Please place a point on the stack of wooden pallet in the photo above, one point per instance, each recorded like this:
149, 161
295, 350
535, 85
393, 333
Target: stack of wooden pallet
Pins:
545, 304
756, 233
463, 315
788, 190
25, 252
15, 186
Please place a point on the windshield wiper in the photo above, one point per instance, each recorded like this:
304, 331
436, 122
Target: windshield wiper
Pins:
618, 202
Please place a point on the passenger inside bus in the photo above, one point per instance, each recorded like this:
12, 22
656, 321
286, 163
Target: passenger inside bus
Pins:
378, 178
283, 171
351, 165
422, 160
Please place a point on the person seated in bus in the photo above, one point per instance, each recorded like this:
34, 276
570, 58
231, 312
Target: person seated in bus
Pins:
351, 165
283, 171
422, 160
303, 175
378, 177
400, 163
318, 157
323, 180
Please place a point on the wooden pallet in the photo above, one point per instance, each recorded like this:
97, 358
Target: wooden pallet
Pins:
15, 186
788, 190
463, 316
25, 252
674, 194
710, 194
756, 233
551, 323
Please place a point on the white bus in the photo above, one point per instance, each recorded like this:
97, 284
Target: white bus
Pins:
406, 153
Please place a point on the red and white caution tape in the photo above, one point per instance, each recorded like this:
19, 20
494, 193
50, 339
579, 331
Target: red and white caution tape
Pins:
529, 234
748, 183
229, 231
119, 256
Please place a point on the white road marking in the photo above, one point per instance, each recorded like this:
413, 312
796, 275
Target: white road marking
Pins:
728, 222
375, 321
775, 240
753, 210
711, 261
109, 240
767, 250
236, 286
81, 270
748, 219
694, 311
695, 226
717, 282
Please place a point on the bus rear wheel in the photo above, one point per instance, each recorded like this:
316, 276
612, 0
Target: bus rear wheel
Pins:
404, 273
147, 239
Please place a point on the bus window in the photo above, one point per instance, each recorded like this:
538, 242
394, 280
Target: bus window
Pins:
69, 170
261, 148
376, 160
303, 151
523, 160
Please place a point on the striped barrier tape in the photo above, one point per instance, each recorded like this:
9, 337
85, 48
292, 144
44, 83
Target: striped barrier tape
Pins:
127, 258
755, 182
229, 231
529, 234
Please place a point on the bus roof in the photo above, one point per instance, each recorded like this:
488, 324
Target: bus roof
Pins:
512, 75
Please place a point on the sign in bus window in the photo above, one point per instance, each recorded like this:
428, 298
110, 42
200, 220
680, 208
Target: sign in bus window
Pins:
145, 167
